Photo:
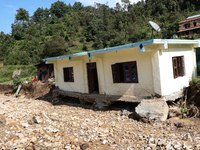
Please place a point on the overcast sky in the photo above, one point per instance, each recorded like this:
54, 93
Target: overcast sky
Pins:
8, 8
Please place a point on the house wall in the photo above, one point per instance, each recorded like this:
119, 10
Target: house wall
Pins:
168, 83
45, 68
182, 25
155, 71
78, 84
145, 86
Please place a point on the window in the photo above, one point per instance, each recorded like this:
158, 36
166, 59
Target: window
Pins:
125, 72
178, 66
187, 26
68, 74
195, 24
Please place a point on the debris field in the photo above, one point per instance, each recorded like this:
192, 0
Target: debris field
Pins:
30, 124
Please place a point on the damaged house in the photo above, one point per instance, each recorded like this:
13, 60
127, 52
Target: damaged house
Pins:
131, 72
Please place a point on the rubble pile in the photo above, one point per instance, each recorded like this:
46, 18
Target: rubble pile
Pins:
28, 124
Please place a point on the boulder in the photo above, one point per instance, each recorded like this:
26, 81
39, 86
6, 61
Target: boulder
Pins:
153, 110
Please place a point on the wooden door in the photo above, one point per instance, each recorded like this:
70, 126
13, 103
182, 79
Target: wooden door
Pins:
92, 78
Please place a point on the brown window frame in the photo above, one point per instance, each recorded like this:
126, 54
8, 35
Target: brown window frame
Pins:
124, 73
68, 74
178, 66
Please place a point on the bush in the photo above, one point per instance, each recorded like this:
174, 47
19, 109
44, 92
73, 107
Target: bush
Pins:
194, 81
17, 81
84, 47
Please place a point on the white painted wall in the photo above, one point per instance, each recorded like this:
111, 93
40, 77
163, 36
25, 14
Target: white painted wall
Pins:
168, 83
144, 67
155, 71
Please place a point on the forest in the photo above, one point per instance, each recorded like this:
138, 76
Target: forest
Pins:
66, 29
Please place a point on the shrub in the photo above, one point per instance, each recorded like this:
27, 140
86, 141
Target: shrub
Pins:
194, 81
84, 47
17, 81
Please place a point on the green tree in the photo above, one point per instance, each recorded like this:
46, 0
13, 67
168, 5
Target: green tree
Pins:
17, 31
40, 15
59, 8
22, 15
55, 47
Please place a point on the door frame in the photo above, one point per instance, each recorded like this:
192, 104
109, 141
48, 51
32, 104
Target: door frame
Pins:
92, 76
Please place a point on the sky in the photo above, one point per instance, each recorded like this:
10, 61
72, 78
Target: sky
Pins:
8, 8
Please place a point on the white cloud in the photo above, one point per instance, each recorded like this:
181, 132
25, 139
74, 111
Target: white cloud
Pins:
110, 3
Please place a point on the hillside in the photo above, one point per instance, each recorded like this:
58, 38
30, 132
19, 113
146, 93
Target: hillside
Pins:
66, 29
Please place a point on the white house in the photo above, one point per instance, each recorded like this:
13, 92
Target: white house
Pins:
133, 71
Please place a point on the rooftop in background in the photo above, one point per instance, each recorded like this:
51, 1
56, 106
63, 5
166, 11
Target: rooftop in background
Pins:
190, 19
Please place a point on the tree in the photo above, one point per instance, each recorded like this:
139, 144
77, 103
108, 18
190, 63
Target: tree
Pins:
77, 6
17, 31
55, 47
59, 8
40, 15
22, 15
62, 33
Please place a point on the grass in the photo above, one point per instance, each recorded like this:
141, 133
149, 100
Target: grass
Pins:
6, 72
23, 79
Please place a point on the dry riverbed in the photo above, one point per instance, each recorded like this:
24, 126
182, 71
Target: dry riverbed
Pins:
28, 124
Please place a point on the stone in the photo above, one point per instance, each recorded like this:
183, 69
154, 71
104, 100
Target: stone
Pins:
187, 137
104, 142
30, 148
33, 139
174, 111
84, 146
152, 145
177, 146
161, 143
2, 120
153, 109
38, 119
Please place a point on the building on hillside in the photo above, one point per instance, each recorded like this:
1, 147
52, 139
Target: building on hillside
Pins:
131, 72
45, 71
189, 26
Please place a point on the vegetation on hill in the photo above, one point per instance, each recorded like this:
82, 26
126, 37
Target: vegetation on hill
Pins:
6, 72
66, 29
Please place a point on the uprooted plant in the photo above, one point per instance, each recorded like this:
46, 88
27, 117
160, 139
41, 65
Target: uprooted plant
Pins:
17, 81
187, 107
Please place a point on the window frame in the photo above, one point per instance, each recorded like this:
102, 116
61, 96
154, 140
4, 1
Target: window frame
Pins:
119, 72
178, 66
68, 74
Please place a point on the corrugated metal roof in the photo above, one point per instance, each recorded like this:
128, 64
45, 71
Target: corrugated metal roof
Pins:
188, 20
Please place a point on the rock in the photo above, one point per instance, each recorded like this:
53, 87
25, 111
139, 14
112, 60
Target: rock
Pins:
30, 148
38, 119
2, 120
177, 146
104, 142
178, 125
161, 143
153, 109
84, 146
33, 139
152, 145
187, 137
126, 112
174, 111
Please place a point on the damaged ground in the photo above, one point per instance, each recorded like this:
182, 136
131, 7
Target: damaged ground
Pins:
27, 123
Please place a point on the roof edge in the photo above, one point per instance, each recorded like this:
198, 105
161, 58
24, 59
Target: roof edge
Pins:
127, 46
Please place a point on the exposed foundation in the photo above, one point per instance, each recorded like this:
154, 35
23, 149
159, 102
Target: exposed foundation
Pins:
100, 101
